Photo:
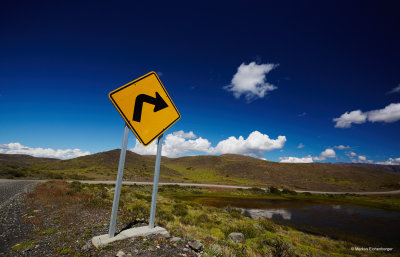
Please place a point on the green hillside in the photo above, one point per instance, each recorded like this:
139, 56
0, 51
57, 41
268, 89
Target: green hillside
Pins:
224, 169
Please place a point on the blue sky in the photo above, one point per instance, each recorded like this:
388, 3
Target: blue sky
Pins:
60, 59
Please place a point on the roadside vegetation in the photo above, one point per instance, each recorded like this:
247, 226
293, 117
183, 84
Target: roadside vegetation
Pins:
65, 216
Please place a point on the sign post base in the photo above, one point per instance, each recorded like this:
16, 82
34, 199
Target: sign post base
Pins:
99, 241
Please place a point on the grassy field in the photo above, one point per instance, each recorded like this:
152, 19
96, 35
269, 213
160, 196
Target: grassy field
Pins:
75, 212
224, 169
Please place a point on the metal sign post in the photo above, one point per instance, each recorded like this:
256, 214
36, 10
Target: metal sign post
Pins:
148, 111
155, 182
118, 184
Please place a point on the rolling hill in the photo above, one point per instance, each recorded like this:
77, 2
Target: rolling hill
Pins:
224, 169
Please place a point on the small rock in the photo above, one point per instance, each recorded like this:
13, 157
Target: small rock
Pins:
185, 249
165, 235
175, 239
87, 246
120, 254
236, 237
158, 247
196, 245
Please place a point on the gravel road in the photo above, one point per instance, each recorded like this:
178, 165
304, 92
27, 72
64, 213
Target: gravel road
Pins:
10, 189
12, 206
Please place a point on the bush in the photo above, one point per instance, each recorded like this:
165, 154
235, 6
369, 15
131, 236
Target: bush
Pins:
258, 191
187, 220
138, 211
180, 210
268, 225
282, 248
234, 212
75, 186
164, 216
289, 192
144, 197
246, 228
203, 219
274, 190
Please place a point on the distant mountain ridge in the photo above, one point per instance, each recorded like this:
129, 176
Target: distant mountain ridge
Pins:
394, 168
226, 169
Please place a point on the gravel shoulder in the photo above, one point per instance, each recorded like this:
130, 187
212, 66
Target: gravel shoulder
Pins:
12, 209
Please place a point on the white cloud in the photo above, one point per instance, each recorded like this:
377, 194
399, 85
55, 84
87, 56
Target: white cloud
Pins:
342, 147
395, 90
390, 113
250, 81
362, 158
391, 161
175, 144
300, 146
17, 148
345, 120
327, 154
307, 159
351, 154
255, 144
179, 143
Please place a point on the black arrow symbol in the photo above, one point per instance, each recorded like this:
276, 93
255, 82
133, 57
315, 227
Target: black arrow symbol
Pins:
158, 103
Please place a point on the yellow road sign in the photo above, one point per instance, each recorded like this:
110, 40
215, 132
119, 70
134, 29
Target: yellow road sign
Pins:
146, 107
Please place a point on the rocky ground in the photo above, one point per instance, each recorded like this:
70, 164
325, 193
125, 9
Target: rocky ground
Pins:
31, 227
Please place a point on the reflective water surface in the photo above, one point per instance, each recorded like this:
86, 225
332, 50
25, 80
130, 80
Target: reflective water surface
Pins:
365, 226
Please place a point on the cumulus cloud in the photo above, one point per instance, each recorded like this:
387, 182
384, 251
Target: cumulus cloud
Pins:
179, 143
327, 154
250, 81
346, 119
307, 159
342, 147
17, 148
391, 161
395, 90
175, 144
300, 146
254, 145
351, 154
390, 113
362, 158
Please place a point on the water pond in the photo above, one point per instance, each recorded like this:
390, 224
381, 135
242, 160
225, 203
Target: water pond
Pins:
364, 226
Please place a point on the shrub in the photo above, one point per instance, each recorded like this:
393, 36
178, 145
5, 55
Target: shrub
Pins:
180, 210
75, 186
234, 212
144, 197
282, 248
187, 220
246, 228
268, 225
256, 190
274, 190
289, 192
138, 210
164, 216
